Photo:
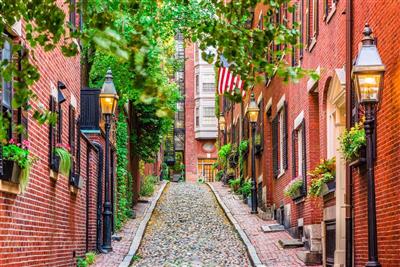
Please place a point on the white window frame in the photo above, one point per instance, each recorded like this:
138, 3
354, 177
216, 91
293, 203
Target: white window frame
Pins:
281, 133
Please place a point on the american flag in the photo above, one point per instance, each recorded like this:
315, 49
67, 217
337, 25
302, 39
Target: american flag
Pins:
227, 81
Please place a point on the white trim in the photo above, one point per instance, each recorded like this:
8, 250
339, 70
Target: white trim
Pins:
268, 105
280, 104
260, 178
53, 91
17, 28
311, 83
259, 98
245, 109
299, 119
73, 101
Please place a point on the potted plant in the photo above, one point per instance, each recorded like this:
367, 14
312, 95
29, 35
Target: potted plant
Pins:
352, 144
62, 159
16, 163
294, 188
323, 178
245, 190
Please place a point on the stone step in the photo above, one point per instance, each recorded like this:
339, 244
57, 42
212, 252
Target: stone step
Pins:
291, 243
310, 258
270, 228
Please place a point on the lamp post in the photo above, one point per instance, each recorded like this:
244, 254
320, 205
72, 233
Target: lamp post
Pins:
222, 125
108, 102
368, 72
252, 112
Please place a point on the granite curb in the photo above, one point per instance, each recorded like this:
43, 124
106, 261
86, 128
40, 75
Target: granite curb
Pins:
142, 228
251, 250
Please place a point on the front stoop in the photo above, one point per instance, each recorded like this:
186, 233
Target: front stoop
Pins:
291, 243
310, 258
271, 228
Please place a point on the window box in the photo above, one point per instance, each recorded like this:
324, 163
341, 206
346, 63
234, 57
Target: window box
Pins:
329, 187
297, 194
11, 171
361, 160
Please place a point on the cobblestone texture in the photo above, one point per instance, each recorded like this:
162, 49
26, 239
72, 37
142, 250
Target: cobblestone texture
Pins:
188, 228
266, 244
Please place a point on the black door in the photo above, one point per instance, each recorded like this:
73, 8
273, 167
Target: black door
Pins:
330, 242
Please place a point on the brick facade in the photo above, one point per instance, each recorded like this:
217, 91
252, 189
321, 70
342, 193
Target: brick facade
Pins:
328, 57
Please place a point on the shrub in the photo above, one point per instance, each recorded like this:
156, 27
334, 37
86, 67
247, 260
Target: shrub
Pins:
147, 186
219, 175
80, 262
245, 189
234, 184
90, 257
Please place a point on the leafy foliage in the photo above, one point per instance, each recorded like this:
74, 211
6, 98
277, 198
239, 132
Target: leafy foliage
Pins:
65, 160
351, 141
245, 189
147, 186
234, 184
293, 187
323, 173
123, 204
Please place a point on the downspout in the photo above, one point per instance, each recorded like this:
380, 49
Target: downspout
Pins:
87, 195
349, 180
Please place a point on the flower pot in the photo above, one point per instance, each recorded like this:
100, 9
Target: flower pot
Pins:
328, 187
298, 194
11, 171
249, 201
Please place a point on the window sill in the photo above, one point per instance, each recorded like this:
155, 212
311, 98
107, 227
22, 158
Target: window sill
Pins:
282, 172
331, 13
312, 44
9, 187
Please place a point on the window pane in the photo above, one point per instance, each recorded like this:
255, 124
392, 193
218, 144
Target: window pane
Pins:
209, 115
208, 87
6, 55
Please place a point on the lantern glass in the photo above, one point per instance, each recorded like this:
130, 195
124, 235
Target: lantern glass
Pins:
222, 123
253, 109
368, 87
253, 115
108, 103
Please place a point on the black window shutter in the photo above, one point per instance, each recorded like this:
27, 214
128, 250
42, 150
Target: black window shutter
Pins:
261, 106
294, 174
304, 155
71, 122
275, 145
301, 10
285, 137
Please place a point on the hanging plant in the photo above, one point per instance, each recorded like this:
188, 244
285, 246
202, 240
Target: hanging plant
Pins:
323, 174
18, 155
352, 141
62, 151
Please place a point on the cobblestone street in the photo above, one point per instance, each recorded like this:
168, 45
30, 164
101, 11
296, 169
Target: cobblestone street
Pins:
188, 228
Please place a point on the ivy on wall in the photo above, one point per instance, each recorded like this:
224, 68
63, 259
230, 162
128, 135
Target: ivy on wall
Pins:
123, 183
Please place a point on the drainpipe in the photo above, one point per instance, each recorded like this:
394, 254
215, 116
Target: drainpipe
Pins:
349, 176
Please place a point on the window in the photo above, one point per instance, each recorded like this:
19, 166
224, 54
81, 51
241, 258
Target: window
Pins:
260, 128
301, 13
299, 166
197, 84
279, 142
209, 116
197, 117
295, 52
329, 9
208, 87
311, 23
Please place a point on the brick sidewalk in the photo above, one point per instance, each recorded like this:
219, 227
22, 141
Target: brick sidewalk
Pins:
266, 244
121, 248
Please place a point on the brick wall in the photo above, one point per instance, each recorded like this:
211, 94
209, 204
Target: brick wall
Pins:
385, 25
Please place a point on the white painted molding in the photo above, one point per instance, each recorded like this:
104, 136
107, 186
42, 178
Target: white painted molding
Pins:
245, 109
268, 105
259, 98
73, 101
311, 83
280, 103
53, 91
299, 119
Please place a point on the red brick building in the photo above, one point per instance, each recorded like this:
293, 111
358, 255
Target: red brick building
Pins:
200, 122
57, 218
300, 123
